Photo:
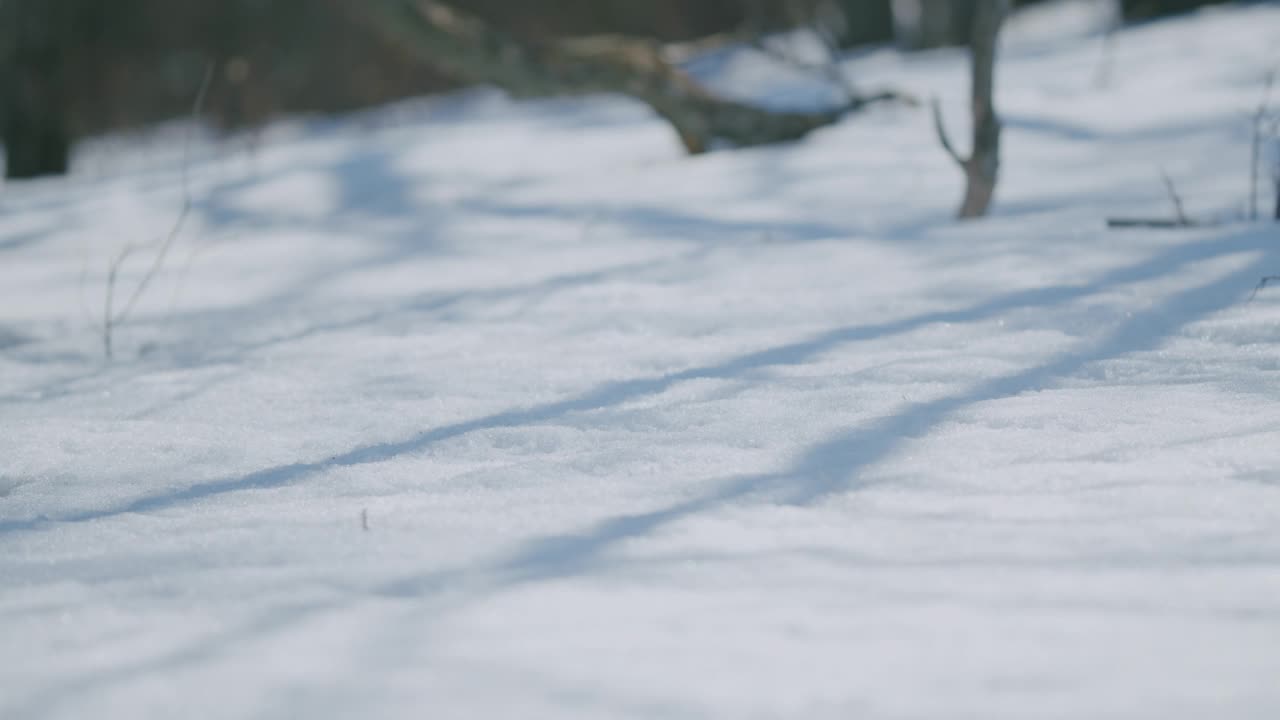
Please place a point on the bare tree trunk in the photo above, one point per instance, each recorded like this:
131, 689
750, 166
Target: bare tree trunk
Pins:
35, 144
982, 166
32, 114
464, 45
1146, 9
984, 163
852, 23
926, 24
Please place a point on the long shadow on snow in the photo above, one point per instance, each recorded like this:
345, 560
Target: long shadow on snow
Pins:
23, 239
666, 222
431, 302
834, 464
359, 175
827, 467
224, 639
839, 450
366, 183
426, 303
367, 178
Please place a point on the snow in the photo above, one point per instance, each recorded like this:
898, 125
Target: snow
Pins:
759, 434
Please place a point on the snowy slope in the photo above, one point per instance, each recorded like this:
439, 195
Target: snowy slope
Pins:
758, 434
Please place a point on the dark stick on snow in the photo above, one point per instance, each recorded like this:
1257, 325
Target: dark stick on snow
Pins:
1175, 198
1161, 223
1179, 221
1255, 156
196, 110
1261, 284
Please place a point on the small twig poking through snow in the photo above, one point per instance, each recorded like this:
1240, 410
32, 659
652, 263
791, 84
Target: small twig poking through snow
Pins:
1179, 220
1262, 284
1175, 198
111, 319
364, 519
1260, 117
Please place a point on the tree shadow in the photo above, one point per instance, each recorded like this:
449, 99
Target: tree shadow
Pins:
427, 303
665, 221
368, 184
843, 449
20, 240
183, 656
836, 464
10, 338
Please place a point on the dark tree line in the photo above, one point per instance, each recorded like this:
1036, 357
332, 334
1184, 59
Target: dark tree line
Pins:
74, 68
1146, 9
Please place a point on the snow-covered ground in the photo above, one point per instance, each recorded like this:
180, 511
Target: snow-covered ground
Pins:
478, 409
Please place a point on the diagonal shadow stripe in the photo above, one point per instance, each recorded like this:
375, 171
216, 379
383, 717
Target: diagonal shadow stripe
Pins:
836, 464
612, 394
831, 466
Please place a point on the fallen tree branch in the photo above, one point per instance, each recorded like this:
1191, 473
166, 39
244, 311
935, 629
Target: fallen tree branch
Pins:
465, 45
1162, 223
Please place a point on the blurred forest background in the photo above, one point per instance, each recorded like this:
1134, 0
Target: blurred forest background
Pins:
71, 69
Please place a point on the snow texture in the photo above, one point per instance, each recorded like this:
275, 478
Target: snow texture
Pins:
470, 408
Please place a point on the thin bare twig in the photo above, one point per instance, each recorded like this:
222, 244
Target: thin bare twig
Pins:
196, 109
1179, 220
1261, 284
1175, 198
109, 317
112, 319
942, 134
1255, 158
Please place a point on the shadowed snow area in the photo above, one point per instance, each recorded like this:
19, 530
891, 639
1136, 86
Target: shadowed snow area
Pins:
759, 434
